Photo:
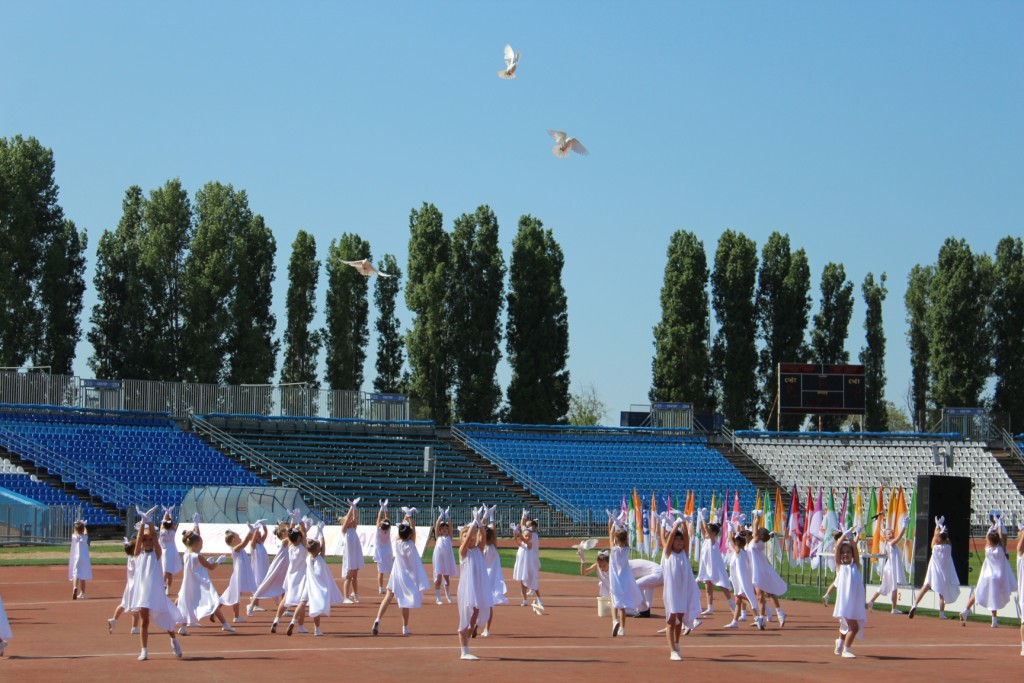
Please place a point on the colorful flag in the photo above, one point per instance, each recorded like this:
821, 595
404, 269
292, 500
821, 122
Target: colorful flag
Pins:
876, 534
794, 534
655, 525
908, 539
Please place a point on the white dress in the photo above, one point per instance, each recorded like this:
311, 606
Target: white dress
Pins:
170, 560
408, 578
1020, 581
148, 593
260, 562
79, 564
765, 577
197, 598
712, 566
5, 626
741, 571
996, 580
129, 580
680, 591
850, 605
494, 574
272, 584
625, 594
352, 554
893, 574
474, 590
319, 590
602, 583
296, 574
941, 574
444, 558
383, 554
523, 570
242, 580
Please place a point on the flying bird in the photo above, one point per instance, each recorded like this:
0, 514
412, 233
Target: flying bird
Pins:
365, 268
511, 62
564, 143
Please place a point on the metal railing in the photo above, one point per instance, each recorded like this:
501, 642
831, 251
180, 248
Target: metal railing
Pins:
37, 525
68, 470
317, 496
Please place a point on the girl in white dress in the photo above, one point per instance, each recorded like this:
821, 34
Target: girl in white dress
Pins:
319, 590
170, 560
741, 571
527, 566
272, 585
679, 590
296, 576
260, 564
711, 570
492, 561
1020, 580
408, 578
941, 574
147, 594
5, 628
600, 568
383, 554
242, 581
129, 550
850, 607
893, 574
197, 598
352, 557
767, 582
996, 580
444, 557
79, 564
625, 594
475, 593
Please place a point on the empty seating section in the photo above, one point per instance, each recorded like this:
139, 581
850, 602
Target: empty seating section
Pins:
137, 459
591, 469
373, 460
25, 485
881, 461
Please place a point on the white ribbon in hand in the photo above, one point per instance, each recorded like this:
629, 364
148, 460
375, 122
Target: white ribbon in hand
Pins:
514, 527
580, 554
491, 512
220, 559
295, 515
354, 502
526, 513
384, 505
195, 519
409, 512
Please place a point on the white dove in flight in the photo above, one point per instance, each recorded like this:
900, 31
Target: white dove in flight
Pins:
365, 268
511, 62
564, 143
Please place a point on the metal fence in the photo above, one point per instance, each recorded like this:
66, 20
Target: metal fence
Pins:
37, 525
184, 398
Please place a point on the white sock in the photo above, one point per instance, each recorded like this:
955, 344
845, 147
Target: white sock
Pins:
465, 649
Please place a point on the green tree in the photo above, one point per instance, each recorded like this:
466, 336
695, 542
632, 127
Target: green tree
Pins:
301, 342
961, 350
916, 300
477, 299
61, 288
221, 215
586, 409
682, 363
427, 298
348, 329
538, 328
252, 349
164, 243
734, 352
31, 222
877, 412
1007, 331
390, 346
783, 306
896, 419
832, 326
120, 318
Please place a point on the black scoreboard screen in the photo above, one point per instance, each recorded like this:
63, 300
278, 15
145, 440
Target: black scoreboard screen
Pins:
821, 389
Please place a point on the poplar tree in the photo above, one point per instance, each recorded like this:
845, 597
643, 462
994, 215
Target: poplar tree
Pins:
390, 346
252, 349
301, 342
877, 412
1007, 326
734, 351
832, 326
347, 311
916, 301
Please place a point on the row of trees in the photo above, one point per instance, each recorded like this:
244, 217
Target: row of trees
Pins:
763, 311
184, 289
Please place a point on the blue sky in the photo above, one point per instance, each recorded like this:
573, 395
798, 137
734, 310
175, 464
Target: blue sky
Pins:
869, 132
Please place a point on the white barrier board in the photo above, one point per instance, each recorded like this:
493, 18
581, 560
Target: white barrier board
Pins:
214, 544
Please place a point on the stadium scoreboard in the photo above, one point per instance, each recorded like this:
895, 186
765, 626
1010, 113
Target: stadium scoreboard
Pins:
821, 389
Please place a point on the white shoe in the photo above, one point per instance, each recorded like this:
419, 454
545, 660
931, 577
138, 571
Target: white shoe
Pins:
895, 611
622, 631
288, 613
135, 630
468, 656
524, 603
182, 631
743, 615
732, 624
675, 656
229, 628
616, 626
81, 596
176, 648
317, 632
380, 590
144, 655
839, 646
942, 615
303, 629
257, 608
709, 610
963, 618
759, 622
995, 622
485, 633
848, 655
355, 598
782, 618
538, 608
111, 625
238, 620
406, 631
441, 603
248, 611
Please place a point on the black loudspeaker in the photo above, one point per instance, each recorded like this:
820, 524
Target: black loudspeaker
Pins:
948, 497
